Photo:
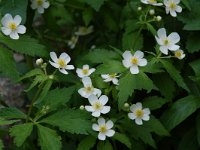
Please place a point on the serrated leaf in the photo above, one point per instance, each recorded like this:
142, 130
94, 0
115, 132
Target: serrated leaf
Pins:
175, 74
57, 97
193, 43
21, 132
32, 73
110, 67
123, 139
48, 138
11, 113
87, 143
25, 45
94, 4
1, 145
100, 56
73, 121
104, 145
87, 16
154, 102
195, 66
7, 64
179, 111
130, 82
7, 122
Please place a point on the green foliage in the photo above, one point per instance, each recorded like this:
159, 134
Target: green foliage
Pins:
48, 138
123, 139
87, 143
1, 145
129, 83
25, 45
73, 121
104, 145
193, 43
21, 132
7, 122
197, 128
94, 4
11, 113
179, 111
7, 64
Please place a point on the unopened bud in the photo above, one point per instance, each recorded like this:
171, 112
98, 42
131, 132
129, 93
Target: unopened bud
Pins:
139, 8
151, 11
158, 18
44, 65
82, 107
126, 105
51, 77
39, 61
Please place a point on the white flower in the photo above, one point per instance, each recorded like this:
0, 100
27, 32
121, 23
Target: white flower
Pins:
85, 72
104, 128
133, 61
40, 5
172, 7
84, 31
151, 2
167, 42
98, 105
88, 89
11, 26
72, 42
138, 114
179, 54
62, 62
110, 78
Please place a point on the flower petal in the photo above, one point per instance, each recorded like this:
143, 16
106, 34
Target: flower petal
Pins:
132, 116
146, 111
21, 29
63, 71
95, 127
14, 35
17, 19
162, 33
139, 54
96, 113
127, 55
54, 64
92, 99
145, 117
103, 99
174, 47
179, 9
138, 121
40, 10
89, 108
105, 109
101, 121
142, 62
86, 81
6, 30
6, 20
110, 133
109, 124
65, 57
69, 67
46, 4
54, 56
164, 49
97, 92
174, 37
101, 136
134, 69
138, 105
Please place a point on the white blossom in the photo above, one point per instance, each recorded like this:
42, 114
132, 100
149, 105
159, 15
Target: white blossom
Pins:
72, 42
85, 71
40, 5
151, 2
88, 88
110, 78
138, 114
171, 6
104, 128
61, 63
179, 54
133, 61
84, 31
167, 42
12, 27
98, 105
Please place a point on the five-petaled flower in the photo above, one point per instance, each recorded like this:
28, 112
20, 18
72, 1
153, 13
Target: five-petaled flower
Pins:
84, 31
104, 128
40, 5
138, 114
11, 26
85, 72
133, 61
151, 2
171, 6
88, 88
61, 63
179, 54
98, 105
110, 78
167, 42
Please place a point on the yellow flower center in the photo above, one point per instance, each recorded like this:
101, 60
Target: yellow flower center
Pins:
172, 5
97, 106
112, 75
178, 54
89, 89
39, 2
152, 1
134, 61
61, 63
102, 129
12, 26
85, 71
139, 113
166, 42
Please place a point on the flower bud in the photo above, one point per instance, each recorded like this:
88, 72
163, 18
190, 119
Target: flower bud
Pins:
44, 65
158, 18
82, 107
39, 61
151, 11
51, 77
126, 105
139, 8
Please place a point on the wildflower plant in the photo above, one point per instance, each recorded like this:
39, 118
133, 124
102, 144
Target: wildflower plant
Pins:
100, 74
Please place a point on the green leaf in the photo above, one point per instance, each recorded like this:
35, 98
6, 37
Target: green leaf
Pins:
7, 64
195, 66
87, 16
10, 113
123, 139
48, 138
187, 4
25, 45
193, 43
14, 7
175, 74
57, 97
104, 145
21, 132
87, 143
100, 56
32, 73
154, 102
1, 145
110, 67
151, 29
129, 83
94, 4
197, 127
73, 121
179, 111
7, 122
